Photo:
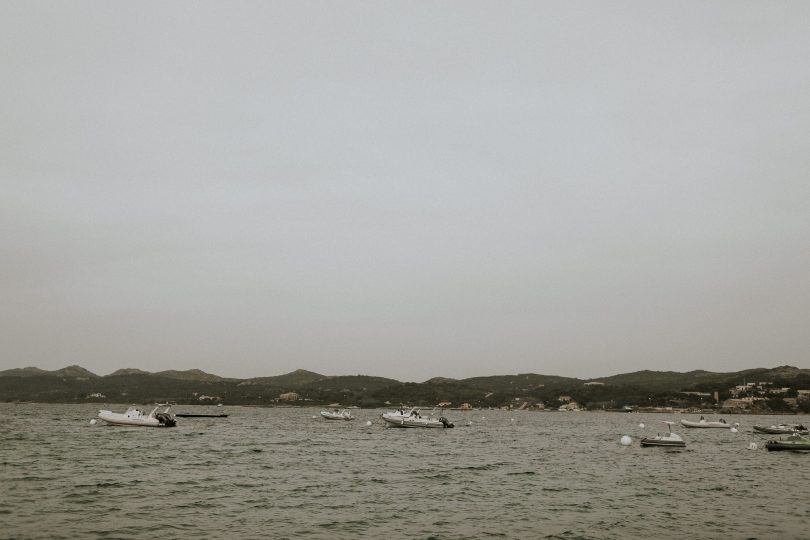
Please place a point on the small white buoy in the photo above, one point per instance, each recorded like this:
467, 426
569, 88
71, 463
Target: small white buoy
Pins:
626, 440
314, 417
513, 419
736, 424
752, 446
469, 423
93, 422
641, 426
368, 422
733, 430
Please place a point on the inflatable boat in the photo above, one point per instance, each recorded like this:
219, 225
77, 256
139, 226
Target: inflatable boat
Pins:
160, 416
795, 443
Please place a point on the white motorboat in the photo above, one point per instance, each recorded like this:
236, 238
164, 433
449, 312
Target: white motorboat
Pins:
703, 423
337, 414
415, 419
670, 439
160, 416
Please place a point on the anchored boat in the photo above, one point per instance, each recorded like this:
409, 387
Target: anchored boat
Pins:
703, 423
782, 429
667, 439
337, 414
795, 443
160, 416
415, 419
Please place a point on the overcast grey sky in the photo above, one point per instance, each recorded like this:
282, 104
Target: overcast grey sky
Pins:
405, 189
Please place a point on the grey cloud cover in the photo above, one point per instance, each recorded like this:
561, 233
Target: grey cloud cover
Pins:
405, 189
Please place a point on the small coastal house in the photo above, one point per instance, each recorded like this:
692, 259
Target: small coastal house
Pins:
570, 406
738, 403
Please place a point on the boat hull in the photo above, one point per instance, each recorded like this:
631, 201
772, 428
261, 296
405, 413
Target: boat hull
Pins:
118, 419
775, 430
333, 416
705, 425
409, 421
406, 423
789, 447
659, 442
131, 422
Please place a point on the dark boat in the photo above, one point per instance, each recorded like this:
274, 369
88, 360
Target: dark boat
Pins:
795, 443
782, 429
192, 415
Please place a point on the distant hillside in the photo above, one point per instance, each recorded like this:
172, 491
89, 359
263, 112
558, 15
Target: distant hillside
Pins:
669, 380
76, 372
293, 379
75, 384
129, 371
785, 372
663, 380
351, 382
440, 380
189, 375
525, 381
24, 372
70, 372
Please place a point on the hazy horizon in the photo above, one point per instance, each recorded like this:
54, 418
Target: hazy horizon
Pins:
405, 190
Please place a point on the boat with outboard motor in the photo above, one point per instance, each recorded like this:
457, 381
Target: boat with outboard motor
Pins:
703, 423
415, 419
161, 416
672, 440
782, 429
795, 443
337, 414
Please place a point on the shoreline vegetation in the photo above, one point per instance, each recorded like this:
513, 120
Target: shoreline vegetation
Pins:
780, 390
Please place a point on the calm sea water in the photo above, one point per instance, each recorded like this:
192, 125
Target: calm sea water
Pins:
279, 473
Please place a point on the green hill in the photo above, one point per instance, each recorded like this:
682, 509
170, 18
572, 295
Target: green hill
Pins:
294, 379
75, 384
129, 371
75, 372
24, 372
189, 375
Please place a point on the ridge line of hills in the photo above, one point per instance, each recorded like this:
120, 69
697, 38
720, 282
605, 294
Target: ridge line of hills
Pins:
299, 376
75, 384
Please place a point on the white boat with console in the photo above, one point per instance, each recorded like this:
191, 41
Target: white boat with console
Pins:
337, 414
415, 419
703, 423
670, 439
160, 416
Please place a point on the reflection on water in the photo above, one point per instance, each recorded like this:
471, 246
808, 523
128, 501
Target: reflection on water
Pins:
279, 473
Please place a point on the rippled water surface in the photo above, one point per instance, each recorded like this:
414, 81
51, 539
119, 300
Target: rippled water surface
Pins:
280, 473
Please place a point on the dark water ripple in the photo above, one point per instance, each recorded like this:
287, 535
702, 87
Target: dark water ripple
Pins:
279, 473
